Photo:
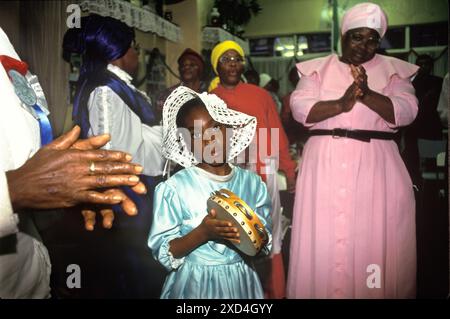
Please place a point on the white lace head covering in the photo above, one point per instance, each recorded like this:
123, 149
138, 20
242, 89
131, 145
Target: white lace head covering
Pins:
174, 147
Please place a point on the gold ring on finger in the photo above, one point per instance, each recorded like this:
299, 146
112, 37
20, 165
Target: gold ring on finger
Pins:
92, 168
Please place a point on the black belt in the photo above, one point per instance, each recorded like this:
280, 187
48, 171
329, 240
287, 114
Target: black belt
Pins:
360, 135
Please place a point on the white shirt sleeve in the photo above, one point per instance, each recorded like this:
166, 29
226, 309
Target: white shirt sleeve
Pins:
8, 220
108, 113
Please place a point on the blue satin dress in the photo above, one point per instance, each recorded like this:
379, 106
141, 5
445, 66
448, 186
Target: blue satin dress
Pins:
213, 270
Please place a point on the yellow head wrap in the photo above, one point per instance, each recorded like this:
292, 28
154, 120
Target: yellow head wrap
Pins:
213, 84
217, 52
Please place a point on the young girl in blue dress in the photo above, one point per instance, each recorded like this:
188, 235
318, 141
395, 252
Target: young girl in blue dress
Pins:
190, 242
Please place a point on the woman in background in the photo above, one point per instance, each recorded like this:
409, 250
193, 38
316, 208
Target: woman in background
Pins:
353, 232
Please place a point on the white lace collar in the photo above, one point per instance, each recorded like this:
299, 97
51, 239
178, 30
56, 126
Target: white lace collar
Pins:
124, 76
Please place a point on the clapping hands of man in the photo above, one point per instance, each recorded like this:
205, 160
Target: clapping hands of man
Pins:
70, 171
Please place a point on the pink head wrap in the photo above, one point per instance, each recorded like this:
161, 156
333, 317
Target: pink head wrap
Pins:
367, 15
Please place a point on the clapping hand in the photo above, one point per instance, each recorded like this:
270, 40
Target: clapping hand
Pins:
89, 214
360, 76
351, 95
69, 171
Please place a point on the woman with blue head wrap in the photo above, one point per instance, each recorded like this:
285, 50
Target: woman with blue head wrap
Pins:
107, 103
105, 45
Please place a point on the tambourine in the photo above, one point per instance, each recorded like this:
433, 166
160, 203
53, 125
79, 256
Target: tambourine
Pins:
229, 207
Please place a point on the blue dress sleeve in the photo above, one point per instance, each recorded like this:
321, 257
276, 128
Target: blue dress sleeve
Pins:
167, 221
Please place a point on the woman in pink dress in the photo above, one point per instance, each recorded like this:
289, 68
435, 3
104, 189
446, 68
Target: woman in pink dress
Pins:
353, 232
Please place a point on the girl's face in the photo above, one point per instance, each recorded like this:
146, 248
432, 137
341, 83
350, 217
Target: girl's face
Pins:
207, 137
